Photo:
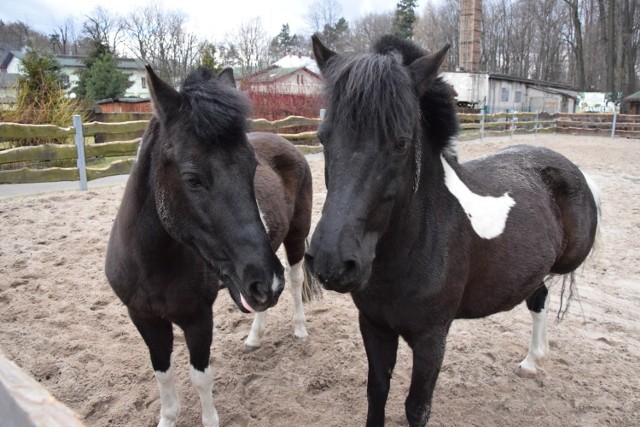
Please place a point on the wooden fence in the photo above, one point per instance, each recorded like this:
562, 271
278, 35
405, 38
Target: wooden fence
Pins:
472, 126
83, 151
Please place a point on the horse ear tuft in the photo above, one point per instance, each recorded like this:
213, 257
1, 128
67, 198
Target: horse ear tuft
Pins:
226, 76
321, 53
165, 98
424, 70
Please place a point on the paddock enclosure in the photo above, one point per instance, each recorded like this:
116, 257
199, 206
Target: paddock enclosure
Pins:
61, 322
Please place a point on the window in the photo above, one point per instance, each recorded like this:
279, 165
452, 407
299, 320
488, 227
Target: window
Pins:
517, 95
143, 82
505, 94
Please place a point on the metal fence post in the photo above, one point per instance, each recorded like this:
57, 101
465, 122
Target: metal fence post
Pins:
81, 162
613, 124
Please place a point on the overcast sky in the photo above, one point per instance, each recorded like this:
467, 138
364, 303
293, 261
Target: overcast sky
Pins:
210, 19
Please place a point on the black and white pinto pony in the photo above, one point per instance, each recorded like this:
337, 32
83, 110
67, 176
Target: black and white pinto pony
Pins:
418, 238
206, 204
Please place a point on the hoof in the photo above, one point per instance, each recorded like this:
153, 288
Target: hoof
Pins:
301, 338
248, 348
524, 371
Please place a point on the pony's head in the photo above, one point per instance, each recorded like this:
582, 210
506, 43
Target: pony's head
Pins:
378, 119
203, 182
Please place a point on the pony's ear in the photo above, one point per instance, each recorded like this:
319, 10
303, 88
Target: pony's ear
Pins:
424, 70
226, 76
321, 53
165, 98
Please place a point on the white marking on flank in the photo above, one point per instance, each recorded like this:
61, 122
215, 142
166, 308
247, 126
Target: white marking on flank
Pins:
488, 214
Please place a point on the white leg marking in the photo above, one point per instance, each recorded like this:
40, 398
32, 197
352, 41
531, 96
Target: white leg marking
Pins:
257, 330
539, 347
203, 383
488, 214
169, 405
296, 277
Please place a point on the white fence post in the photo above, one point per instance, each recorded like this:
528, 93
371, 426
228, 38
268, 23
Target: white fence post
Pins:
482, 123
613, 124
81, 162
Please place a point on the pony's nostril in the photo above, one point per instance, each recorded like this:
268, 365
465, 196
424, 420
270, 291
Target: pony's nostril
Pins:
259, 292
308, 259
350, 267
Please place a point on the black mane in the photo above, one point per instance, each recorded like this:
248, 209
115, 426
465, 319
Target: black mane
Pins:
216, 108
361, 88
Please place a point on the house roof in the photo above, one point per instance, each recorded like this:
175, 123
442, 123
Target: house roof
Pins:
275, 73
632, 97
73, 61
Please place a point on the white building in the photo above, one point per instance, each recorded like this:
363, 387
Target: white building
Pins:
70, 65
499, 93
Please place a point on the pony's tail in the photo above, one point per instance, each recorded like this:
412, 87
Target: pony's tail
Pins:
569, 289
311, 288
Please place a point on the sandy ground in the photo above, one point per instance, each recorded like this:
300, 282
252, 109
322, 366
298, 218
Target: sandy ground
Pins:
61, 322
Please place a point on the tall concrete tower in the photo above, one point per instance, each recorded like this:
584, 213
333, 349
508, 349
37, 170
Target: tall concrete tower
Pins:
470, 34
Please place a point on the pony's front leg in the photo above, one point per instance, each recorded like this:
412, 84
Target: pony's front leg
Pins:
296, 277
538, 305
428, 352
158, 335
198, 336
381, 345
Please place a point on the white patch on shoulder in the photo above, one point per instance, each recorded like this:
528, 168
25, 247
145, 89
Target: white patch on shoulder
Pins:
488, 214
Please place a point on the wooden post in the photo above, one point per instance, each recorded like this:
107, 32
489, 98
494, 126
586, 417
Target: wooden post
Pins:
513, 123
81, 162
482, 123
535, 126
613, 124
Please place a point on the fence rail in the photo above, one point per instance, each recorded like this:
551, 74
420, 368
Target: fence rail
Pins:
471, 126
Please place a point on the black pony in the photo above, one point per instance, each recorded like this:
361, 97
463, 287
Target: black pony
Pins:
206, 203
419, 239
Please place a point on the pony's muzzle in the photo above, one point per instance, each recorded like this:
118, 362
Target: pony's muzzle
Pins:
335, 274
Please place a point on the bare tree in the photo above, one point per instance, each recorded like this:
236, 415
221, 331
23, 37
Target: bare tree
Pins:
106, 28
248, 46
368, 29
160, 38
321, 13
437, 26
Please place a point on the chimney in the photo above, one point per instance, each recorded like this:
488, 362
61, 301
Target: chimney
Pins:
470, 34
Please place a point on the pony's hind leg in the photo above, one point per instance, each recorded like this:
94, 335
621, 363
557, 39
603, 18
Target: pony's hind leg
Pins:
259, 325
158, 335
538, 305
296, 277
198, 335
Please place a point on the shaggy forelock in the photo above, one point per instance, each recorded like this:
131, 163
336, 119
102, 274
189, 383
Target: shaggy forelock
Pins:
215, 107
371, 92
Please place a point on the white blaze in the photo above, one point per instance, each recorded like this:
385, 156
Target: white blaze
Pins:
488, 214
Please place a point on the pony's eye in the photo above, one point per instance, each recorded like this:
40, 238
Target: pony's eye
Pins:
401, 145
192, 180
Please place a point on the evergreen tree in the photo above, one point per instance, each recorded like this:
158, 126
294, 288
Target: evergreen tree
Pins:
208, 59
101, 78
41, 98
404, 18
335, 36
